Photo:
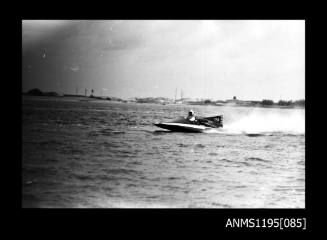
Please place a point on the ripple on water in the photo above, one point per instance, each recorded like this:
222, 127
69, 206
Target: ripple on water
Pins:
82, 177
255, 135
199, 145
227, 160
282, 189
220, 205
135, 163
269, 146
156, 139
119, 172
182, 145
256, 159
212, 154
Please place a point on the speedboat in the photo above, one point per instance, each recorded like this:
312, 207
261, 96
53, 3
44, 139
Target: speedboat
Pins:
200, 124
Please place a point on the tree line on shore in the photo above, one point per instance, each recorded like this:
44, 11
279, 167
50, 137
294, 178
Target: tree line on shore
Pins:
268, 102
38, 92
264, 102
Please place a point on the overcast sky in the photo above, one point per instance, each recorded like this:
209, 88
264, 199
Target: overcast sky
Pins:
252, 60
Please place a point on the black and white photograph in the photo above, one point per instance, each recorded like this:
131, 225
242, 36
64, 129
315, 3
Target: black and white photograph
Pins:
163, 114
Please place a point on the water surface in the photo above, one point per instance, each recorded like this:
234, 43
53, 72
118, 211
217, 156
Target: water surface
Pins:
107, 154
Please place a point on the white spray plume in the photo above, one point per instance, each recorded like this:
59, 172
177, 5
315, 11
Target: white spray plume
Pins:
258, 122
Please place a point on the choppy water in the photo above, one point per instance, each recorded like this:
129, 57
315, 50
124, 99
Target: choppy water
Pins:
105, 154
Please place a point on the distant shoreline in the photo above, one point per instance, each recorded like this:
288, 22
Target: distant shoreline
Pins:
199, 103
245, 105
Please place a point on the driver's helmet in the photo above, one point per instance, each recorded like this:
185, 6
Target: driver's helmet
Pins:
191, 113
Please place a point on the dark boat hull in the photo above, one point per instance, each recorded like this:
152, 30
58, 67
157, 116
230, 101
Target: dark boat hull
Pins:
182, 124
180, 127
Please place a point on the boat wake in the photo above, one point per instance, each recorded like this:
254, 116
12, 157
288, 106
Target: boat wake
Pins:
253, 124
259, 124
251, 133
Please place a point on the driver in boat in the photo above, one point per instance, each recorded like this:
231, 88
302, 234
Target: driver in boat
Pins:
191, 116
